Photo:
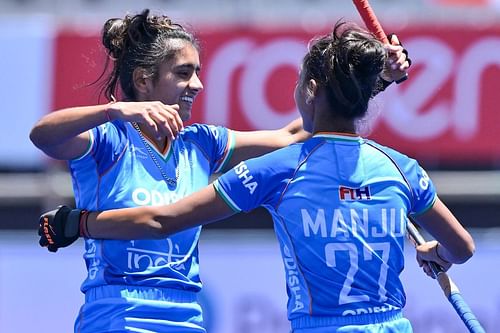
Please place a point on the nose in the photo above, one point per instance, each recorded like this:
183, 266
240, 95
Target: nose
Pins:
195, 83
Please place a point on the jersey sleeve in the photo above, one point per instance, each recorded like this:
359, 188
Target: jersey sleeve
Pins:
106, 145
216, 142
423, 189
256, 182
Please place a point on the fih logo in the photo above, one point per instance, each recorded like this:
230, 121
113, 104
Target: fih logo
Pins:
348, 193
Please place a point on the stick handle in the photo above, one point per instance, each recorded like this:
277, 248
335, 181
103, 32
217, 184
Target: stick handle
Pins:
449, 288
370, 19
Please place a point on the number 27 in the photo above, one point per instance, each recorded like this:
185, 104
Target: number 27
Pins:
344, 297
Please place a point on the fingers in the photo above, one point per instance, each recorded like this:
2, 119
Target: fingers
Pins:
426, 253
43, 241
168, 120
401, 63
397, 57
42, 232
393, 39
46, 229
40, 228
399, 54
52, 248
161, 119
420, 261
427, 269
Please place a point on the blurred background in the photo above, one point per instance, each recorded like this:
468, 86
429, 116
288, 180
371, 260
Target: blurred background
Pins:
447, 115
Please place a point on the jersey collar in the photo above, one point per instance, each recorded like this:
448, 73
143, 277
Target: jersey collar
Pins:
338, 136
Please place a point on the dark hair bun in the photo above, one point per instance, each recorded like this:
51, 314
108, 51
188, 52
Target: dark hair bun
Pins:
114, 34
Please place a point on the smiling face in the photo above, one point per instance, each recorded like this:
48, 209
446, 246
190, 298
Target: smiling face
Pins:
177, 81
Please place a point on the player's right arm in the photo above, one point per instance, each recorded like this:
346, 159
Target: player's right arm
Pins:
62, 226
64, 135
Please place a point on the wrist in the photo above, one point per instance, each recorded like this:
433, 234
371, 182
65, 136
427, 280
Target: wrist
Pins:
107, 111
84, 224
72, 225
384, 82
110, 110
402, 79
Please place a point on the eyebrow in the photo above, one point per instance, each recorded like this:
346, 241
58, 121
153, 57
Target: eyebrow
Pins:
188, 66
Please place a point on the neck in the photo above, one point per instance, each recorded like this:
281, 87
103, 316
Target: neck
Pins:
160, 143
325, 122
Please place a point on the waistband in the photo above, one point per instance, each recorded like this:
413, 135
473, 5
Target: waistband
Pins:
362, 319
140, 292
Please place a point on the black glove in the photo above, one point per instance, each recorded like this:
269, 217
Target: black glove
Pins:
405, 51
59, 227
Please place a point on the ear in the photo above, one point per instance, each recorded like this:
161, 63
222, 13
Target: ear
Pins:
312, 89
142, 83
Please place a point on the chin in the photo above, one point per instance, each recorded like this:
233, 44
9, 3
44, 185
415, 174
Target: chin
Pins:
185, 115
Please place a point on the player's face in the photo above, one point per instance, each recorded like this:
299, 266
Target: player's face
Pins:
178, 81
305, 109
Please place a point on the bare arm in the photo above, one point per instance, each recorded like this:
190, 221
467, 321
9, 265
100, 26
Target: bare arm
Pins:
64, 134
255, 143
199, 208
455, 243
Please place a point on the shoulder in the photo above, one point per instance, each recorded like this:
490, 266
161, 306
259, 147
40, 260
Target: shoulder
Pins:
284, 155
397, 157
202, 130
278, 162
116, 127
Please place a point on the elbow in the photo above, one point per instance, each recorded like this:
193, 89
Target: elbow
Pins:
469, 251
465, 252
39, 137
35, 137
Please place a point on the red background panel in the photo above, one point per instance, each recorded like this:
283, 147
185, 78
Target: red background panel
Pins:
446, 114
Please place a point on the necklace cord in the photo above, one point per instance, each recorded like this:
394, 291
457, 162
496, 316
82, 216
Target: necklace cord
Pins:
169, 180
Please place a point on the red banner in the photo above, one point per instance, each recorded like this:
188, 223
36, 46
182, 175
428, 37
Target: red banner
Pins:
447, 113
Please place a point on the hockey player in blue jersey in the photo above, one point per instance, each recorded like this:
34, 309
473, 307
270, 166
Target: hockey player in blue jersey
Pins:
136, 152
339, 202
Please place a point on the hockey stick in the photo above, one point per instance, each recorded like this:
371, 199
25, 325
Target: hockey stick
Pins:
372, 24
449, 288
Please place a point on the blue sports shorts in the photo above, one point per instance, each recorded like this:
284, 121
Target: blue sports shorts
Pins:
122, 308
